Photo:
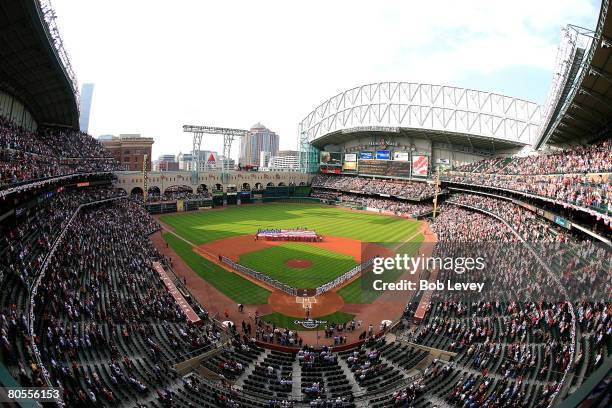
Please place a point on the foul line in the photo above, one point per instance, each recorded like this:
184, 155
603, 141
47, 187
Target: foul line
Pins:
177, 235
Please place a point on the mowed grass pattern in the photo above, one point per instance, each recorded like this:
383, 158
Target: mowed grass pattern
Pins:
205, 226
326, 265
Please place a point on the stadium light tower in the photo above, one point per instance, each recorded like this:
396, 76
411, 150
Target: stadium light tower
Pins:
229, 135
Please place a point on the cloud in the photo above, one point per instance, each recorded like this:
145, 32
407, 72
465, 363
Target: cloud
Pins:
158, 65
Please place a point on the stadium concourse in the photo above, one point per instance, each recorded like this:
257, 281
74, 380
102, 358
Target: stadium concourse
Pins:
98, 307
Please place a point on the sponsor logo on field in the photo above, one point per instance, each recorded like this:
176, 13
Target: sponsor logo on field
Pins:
310, 323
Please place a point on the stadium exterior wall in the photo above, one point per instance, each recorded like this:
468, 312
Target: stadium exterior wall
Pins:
129, 180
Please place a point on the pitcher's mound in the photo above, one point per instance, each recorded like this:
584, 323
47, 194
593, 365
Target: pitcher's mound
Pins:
298, 263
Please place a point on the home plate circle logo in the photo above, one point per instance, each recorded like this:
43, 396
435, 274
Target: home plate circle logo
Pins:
310, 323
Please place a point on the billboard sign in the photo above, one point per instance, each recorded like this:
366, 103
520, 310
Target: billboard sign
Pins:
420, 165
331, 158
366, 156
350, 157
383, 154
384, 168
349, 166
401, 156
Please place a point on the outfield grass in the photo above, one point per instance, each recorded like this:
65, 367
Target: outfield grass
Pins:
284, 321
239, 289
210, 225
326, 265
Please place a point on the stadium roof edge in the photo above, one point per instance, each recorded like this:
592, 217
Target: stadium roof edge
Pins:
581, 111
31, 68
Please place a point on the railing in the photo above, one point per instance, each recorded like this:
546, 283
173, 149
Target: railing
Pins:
259, 276
344, 277
590, 210
29, 184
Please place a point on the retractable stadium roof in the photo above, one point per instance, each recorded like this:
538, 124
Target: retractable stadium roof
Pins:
579, 107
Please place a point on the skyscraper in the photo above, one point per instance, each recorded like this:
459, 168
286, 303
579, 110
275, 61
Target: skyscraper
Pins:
85, 108
260, 139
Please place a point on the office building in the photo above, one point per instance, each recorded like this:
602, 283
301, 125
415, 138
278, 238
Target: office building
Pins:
130, 150
259, 139
285, 160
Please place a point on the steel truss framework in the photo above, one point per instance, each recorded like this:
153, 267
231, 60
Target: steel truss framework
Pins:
49, 17
561, 95
426, 106
420, 107
229, 135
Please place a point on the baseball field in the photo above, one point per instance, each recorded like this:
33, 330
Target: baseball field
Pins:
199, 237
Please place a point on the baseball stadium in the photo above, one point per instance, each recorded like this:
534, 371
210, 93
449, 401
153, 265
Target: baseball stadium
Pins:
437, 247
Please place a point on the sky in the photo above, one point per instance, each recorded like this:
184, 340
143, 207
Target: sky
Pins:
158, 65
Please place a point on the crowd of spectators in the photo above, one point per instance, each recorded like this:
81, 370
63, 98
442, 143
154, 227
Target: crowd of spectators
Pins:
179, 195
580, 263
529, 225
590, 191
596, 158
460, 225
326, 194
24, 245
27, 155
579, 176
365, 363
521, 329
402, 208
107, 327
395, 188
101, 296
72, 144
